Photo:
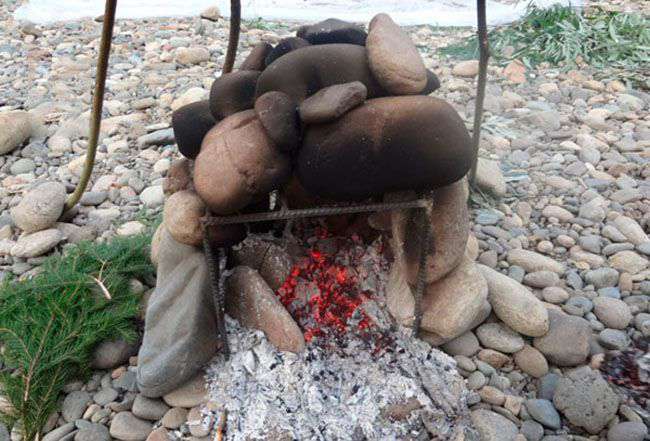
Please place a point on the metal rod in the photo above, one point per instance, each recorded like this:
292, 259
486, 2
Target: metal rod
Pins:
216, 286
484, 51
418, 293
313, 212
98, 101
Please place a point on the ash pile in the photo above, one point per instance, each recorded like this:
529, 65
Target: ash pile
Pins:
355, 377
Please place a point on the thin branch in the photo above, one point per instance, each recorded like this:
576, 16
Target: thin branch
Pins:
482, 79
98, 101
233, 37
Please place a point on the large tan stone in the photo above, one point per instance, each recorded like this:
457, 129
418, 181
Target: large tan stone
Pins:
393, 58
515, 304
15, 128
238, 164
449, 234
450, 305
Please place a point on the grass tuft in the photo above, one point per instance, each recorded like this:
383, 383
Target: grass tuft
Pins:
50, 323
566, 37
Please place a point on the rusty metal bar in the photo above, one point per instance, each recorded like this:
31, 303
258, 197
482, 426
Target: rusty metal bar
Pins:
210, 220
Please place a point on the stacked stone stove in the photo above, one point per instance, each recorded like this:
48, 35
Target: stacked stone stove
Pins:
332, 116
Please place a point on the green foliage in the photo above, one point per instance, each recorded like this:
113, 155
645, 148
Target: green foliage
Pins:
50, 323
258, 23
561, 35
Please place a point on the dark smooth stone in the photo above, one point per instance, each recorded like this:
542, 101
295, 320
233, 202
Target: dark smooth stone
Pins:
256, 59
304, 72
389, 144
433, 83
333, 30
285, 46
190, 123
331, 102
233, 92
279, 116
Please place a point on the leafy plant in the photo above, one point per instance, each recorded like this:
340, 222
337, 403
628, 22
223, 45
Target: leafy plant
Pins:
50, 323
258, 23
563, 36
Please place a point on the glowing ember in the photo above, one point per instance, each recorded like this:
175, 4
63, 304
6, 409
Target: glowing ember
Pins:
323, 295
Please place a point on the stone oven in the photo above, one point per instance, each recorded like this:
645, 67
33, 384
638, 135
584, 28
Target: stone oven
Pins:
333, 117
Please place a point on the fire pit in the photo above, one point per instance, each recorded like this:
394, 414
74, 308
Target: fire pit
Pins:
336, 125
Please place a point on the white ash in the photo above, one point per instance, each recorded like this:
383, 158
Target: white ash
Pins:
340, 391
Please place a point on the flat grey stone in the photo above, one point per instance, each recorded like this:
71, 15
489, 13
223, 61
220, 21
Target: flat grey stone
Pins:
75, 404
543, 412
93, 432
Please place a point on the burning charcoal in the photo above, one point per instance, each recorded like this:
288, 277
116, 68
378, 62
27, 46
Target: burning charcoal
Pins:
179, 177
449, 234
255, 60
450, 305
238, 164
190, 123
232, 93
393, 58
389, 144
333, 30
331, 102
253, 303
433, 83
180, 329
285, 46
302, 73
278, 114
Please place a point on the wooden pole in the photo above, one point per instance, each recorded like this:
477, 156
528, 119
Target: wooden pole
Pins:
233, 38
484, 55
98, 101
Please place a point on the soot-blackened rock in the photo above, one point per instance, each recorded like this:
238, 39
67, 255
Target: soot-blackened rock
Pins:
279, 116
389, 144
233, 92
331, 102
238, 164
190, 123
333, 30
304, 72
285, 46
433, 83
256, 59
394, 59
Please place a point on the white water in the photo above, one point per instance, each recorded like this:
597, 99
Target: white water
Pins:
405, 12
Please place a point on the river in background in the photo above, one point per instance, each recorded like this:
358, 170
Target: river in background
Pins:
412, 12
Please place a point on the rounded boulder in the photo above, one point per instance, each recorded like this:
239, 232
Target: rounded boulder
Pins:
256, 59
279, 116
304, 72
190, 123
232, 93
393, 58
333, 30
238, 164
389, 144
285, 46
